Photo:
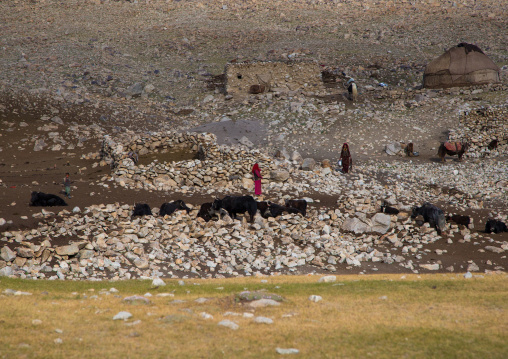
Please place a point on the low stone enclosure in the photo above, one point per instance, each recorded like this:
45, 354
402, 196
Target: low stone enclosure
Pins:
216, 165
278, 76
480, 127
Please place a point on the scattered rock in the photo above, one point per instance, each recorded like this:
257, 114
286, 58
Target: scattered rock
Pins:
327, 279
287, 351
122, 316
228, 324
315, 298
263, 320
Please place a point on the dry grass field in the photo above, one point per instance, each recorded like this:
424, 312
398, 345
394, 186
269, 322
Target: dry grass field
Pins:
382, 316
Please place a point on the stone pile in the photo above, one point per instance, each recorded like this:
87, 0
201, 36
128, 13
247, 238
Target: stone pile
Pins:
480, 127
217, 166
103, 241
106, 243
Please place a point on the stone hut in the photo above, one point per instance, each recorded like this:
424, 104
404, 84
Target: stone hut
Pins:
278, 76
462, 65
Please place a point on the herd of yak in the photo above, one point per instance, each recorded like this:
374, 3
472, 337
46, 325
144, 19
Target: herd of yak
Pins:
234, 205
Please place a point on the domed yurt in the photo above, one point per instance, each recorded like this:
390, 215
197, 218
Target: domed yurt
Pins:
462, 65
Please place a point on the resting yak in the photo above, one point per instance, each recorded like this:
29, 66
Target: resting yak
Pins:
431, 214
206, 212
270, 209
389, 210
299, 204
459, 219
141, 209
40, 199
171, 207
236, 204
495, 226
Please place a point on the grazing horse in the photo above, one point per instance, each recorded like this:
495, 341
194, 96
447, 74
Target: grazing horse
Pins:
452, 149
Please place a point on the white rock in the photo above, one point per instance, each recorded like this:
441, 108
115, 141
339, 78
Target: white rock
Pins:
315, 298
434, 266
263, 320
287, 351
205, 315
157, 282
381, 223
228, 324
327, 279
263, 303
122, 316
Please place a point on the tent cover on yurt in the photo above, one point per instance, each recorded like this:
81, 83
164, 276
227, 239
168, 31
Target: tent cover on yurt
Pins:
462, 65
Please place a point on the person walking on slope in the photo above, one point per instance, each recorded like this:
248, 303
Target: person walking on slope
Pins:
345, 157
256, 174
67, 185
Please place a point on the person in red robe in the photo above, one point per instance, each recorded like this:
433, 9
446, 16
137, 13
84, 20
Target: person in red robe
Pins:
345, 157
256, 174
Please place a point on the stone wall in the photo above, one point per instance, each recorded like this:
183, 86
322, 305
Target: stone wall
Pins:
218, 165
272, 76
480, 127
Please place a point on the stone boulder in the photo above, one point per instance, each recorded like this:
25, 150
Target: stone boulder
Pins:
164, 181
296, 157
70, 250
279, 175
308, 164
393, 149
380, 223
7, 254
355, 225
247, 183
135, 90
246, 142
283, 154
24, 252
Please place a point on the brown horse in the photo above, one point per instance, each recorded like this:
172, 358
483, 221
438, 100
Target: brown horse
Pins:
452, 149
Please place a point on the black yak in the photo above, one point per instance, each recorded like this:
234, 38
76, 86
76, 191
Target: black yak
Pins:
389, 210
459, 219
206, 212
171, 207
431, 214
299, 204
40, 199
495, 226
141, 209
270, 209
236, 204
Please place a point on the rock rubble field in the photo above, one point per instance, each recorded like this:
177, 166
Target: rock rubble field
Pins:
147, 77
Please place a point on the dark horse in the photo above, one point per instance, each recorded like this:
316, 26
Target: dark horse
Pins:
452, 149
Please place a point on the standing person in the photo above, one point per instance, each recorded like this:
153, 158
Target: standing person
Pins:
345, 157
67, 185
256, 174
352, 90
